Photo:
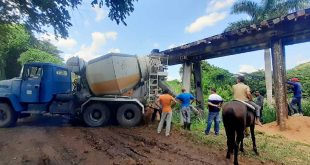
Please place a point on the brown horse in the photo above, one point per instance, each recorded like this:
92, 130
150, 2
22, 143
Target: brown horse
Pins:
236, 117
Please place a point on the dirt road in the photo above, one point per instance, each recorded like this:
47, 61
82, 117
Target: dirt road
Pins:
53, 141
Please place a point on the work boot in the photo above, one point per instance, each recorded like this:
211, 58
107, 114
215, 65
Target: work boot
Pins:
257, 122
188, 126
185, 125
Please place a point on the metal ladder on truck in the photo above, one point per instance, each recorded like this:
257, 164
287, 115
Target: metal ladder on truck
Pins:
158, 67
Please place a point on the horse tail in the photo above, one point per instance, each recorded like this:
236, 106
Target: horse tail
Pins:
229, 121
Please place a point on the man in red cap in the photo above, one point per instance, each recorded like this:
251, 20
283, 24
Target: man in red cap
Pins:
297, 95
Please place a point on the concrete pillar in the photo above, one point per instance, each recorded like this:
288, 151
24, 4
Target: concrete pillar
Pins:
268, 76
198, 83
186, 80
279, 75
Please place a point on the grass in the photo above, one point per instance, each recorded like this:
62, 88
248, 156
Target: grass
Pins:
271, 148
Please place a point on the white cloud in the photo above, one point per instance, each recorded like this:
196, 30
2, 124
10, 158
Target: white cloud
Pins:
156, 45
216, 11
247, 69
216, 5
300, 59
114, 50
95, 48
61, 43
205, 21
100, 13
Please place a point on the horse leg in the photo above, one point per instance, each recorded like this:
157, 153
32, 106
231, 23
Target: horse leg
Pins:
253, 139
241, 146
230, 133
240, 136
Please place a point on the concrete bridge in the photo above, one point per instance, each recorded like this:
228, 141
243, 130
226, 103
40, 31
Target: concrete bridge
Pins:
276, 33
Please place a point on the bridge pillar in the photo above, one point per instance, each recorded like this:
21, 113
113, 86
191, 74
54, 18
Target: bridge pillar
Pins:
268, 76
279, 75
186, 80
198, 83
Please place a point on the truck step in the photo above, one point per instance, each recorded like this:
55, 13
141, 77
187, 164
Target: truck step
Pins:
34, 112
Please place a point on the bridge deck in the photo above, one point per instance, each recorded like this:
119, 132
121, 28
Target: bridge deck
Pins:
293, 28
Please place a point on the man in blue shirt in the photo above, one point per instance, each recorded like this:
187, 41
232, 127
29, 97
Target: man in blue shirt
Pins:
186, 99
297, 95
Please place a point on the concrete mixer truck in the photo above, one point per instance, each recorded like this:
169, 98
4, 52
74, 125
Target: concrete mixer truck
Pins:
113, 86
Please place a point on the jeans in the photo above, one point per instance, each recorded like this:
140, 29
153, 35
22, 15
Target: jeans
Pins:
257, 108
168, 117
216, 117
186, 114
297, 101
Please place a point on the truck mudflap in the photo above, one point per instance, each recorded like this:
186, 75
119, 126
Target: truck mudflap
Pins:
114, 99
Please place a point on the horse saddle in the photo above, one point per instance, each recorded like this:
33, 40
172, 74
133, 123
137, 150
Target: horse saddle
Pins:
247, 104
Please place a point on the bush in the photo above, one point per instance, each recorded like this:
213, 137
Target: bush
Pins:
269, 114
306, 107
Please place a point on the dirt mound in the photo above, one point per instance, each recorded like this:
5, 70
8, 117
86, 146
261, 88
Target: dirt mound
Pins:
298, 129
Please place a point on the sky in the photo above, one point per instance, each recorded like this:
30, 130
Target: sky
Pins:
162, 24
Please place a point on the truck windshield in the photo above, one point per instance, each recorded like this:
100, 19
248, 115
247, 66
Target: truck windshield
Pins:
32, 72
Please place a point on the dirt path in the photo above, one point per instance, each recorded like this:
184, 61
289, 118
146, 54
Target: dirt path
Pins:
53, 141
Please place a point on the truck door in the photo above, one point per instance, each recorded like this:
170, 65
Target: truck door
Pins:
30, 88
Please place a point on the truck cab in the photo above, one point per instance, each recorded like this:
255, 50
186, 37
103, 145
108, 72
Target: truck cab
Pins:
34, 90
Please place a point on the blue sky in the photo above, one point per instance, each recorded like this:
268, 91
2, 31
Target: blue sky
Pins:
162, 24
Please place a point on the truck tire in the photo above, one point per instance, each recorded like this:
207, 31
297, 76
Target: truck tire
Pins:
129, 115
96, 115
8, 116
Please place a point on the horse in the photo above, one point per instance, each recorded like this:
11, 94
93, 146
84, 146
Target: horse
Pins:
236, 117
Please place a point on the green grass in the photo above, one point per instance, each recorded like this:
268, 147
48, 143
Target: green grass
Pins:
271, 148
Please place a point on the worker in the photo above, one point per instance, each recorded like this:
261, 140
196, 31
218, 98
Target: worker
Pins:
166, 101
297, 95
185, 99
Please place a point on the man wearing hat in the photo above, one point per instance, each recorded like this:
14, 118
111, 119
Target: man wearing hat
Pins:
297, 94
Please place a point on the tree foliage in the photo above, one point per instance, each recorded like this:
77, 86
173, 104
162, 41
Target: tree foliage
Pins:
14, 40
36, 55
218, 78
256, 81
38, 14
264, 10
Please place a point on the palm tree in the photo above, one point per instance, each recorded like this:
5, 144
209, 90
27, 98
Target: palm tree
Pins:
266, 9
258, 12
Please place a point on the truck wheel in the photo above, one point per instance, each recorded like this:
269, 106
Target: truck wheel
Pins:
96, 115
8, 116
129, 115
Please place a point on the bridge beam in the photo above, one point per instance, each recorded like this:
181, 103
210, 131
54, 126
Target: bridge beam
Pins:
279, 75
198, 83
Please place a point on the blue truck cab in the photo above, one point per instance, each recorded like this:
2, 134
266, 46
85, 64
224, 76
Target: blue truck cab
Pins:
34, 91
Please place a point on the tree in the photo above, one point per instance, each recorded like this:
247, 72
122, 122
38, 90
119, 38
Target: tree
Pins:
256, 81
36, 55
37, 14
265, 10
14, 40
